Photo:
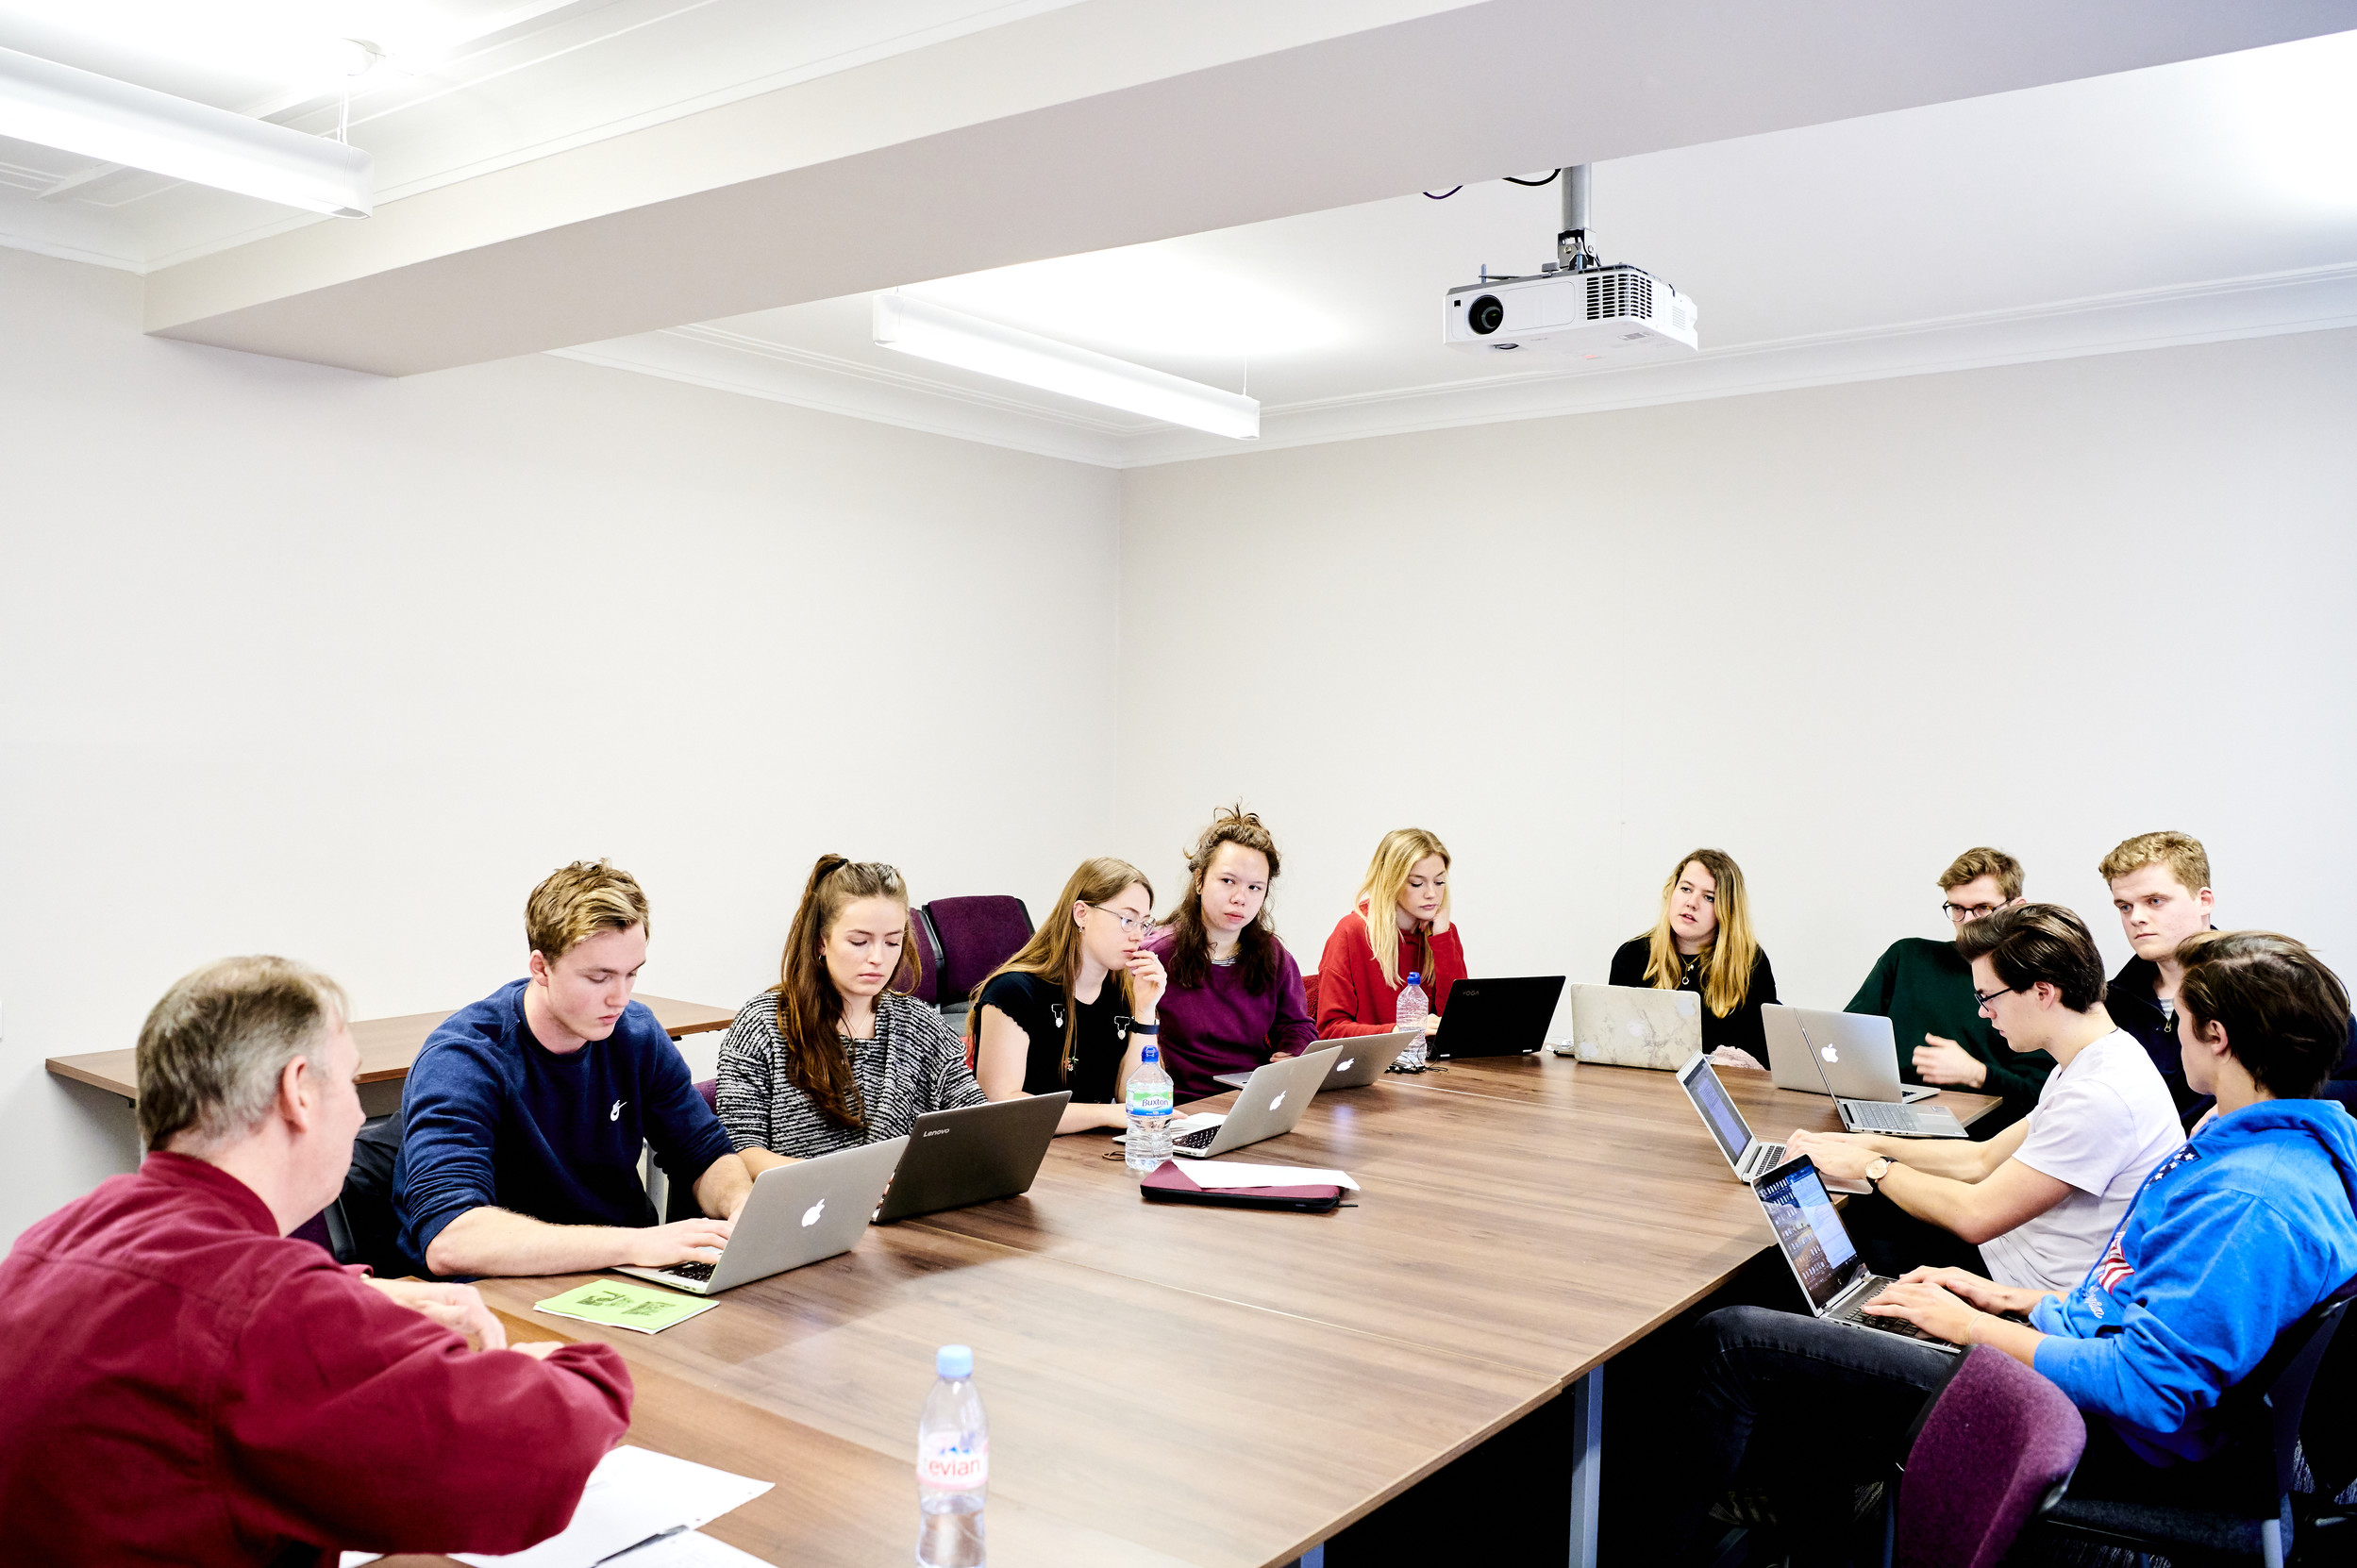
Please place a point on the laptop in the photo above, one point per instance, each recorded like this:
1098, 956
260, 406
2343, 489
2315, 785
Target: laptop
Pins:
797, 1214
1635, 1027
1268, 1104
1498, 1017
1363, 1058
1858, 1037
1857, 1063
1815, 1242
972, 1154
1746, 1154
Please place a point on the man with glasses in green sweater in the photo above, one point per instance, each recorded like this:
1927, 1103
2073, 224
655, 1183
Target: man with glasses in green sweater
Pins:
1925, 989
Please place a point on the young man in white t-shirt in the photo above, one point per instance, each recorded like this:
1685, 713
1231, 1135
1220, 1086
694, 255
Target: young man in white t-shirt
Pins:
2040, 1199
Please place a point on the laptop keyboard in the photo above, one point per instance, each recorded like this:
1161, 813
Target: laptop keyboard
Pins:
1771, 1155
1879, 1116
1856, 1312
689, 1270
1200, 1138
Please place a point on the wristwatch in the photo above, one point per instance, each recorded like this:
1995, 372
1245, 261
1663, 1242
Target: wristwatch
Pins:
1876, 1170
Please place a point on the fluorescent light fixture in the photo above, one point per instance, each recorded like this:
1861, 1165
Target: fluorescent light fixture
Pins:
949, 337
80, 112
1145, 300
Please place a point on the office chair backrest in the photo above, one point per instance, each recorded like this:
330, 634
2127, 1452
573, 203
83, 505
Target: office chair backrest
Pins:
927, 956
975, 935
709, 1089
1996, 1445
2328, 1428
1308, 993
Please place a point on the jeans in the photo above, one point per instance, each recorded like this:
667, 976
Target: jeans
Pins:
1809, 1410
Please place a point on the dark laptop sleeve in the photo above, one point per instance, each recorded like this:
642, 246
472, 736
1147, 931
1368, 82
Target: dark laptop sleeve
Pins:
1166, 1183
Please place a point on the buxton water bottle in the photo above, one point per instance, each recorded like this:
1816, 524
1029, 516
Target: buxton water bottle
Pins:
953, 1465
1413, 1009
1147, 1101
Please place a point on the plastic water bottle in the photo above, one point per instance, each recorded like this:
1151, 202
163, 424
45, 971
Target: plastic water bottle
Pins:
1147, 1101
953, 1465
1415, 1008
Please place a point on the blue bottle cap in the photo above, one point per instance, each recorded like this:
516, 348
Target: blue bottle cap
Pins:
954, 1361
1151, 1053
1413, 975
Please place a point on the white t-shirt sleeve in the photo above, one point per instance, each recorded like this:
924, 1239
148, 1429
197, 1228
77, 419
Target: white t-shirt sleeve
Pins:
2082, 1134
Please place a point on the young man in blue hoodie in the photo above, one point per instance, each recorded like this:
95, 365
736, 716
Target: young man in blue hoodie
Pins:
2244, 1231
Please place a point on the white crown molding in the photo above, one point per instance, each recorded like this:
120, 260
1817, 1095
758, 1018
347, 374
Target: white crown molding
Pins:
731, 361
2311, 299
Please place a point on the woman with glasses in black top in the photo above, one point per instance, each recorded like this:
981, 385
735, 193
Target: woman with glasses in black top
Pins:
1075, 1007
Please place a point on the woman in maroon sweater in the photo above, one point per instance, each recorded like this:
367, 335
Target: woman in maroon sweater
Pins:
1400, 927
1235, 996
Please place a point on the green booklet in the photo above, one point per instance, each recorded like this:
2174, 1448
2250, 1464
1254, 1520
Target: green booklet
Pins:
640, 1307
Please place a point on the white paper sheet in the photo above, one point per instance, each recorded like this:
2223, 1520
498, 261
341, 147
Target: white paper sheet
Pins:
688, 1549
632, 1495
1221, 1175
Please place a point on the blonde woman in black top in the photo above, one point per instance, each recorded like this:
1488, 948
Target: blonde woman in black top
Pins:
1075, 1006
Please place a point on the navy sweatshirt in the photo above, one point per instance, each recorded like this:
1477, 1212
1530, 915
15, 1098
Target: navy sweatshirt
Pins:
489, 1118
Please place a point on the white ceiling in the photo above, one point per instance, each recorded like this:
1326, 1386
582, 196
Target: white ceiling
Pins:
2210, 198
550, 167
465, 88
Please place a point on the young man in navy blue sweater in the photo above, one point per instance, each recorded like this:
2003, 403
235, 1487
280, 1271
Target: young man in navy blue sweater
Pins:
524, 1114
2242, 1233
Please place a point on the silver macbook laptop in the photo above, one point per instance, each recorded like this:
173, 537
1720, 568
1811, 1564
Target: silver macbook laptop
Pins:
1810, 1234
1635, 1025
1746, 1154
1853, 1057
1268, 1104
1363, 1058
797, 1214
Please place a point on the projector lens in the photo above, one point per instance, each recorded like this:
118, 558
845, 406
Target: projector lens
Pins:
1487, 315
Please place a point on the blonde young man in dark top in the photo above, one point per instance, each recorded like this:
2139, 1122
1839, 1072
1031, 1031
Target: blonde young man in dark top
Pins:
1925, 989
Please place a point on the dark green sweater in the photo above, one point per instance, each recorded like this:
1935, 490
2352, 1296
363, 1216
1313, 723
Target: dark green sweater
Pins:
1925, 986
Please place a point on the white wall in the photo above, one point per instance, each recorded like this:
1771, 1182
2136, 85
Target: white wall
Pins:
299, 661
1841, 633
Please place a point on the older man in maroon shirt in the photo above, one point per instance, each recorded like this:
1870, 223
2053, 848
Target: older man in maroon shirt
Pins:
184, 1383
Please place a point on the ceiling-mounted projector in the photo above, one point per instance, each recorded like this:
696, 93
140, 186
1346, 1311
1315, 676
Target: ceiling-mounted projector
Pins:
1575, 305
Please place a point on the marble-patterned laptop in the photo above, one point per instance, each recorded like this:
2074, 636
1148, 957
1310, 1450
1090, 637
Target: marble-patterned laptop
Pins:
1637, 1026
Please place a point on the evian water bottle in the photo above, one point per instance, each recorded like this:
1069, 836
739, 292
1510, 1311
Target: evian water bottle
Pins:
953, 1465
1147, 1100
1414, 1011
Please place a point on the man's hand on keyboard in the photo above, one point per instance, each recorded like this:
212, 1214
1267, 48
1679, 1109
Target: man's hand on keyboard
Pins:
682, 1242
1932, 1308
1837, 1154
1987, 1295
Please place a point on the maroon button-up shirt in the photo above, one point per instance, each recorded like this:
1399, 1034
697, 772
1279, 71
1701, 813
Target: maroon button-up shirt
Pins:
182, 1384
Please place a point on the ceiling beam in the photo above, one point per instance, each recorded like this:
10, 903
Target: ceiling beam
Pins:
1115, 123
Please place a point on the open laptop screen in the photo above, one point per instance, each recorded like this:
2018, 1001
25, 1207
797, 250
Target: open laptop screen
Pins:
1809, 1230
1718, 1112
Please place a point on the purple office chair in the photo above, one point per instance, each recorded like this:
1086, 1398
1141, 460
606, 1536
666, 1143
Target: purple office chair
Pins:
1994, 1449
975, 935
709, 1089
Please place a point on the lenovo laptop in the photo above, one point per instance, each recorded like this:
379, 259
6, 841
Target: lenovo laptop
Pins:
1747, 1155
1853, 1057
797, 1214
1498, 1017
1363, 1058
1268, 1104
1815, 1242
972, 1154
1635, 1027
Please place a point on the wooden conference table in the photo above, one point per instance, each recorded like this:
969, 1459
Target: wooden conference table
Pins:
1216, 1386
388, 1045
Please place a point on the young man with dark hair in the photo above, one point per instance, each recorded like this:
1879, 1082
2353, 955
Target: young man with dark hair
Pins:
2248, 1228
523, 1115
1925, 989
2038, 1200
188, 1383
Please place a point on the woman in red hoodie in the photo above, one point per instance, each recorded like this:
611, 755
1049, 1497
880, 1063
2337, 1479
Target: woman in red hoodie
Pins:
1401, 927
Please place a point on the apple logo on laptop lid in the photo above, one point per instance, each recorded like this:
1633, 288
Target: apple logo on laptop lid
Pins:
810, 1215
1280, 1100
1828, 1052
1344, 1063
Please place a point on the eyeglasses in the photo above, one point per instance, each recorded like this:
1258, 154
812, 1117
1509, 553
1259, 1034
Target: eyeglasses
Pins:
1127, 923
1961, 912
2001, 991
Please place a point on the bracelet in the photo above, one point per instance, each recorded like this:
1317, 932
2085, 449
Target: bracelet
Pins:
1136, 1027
